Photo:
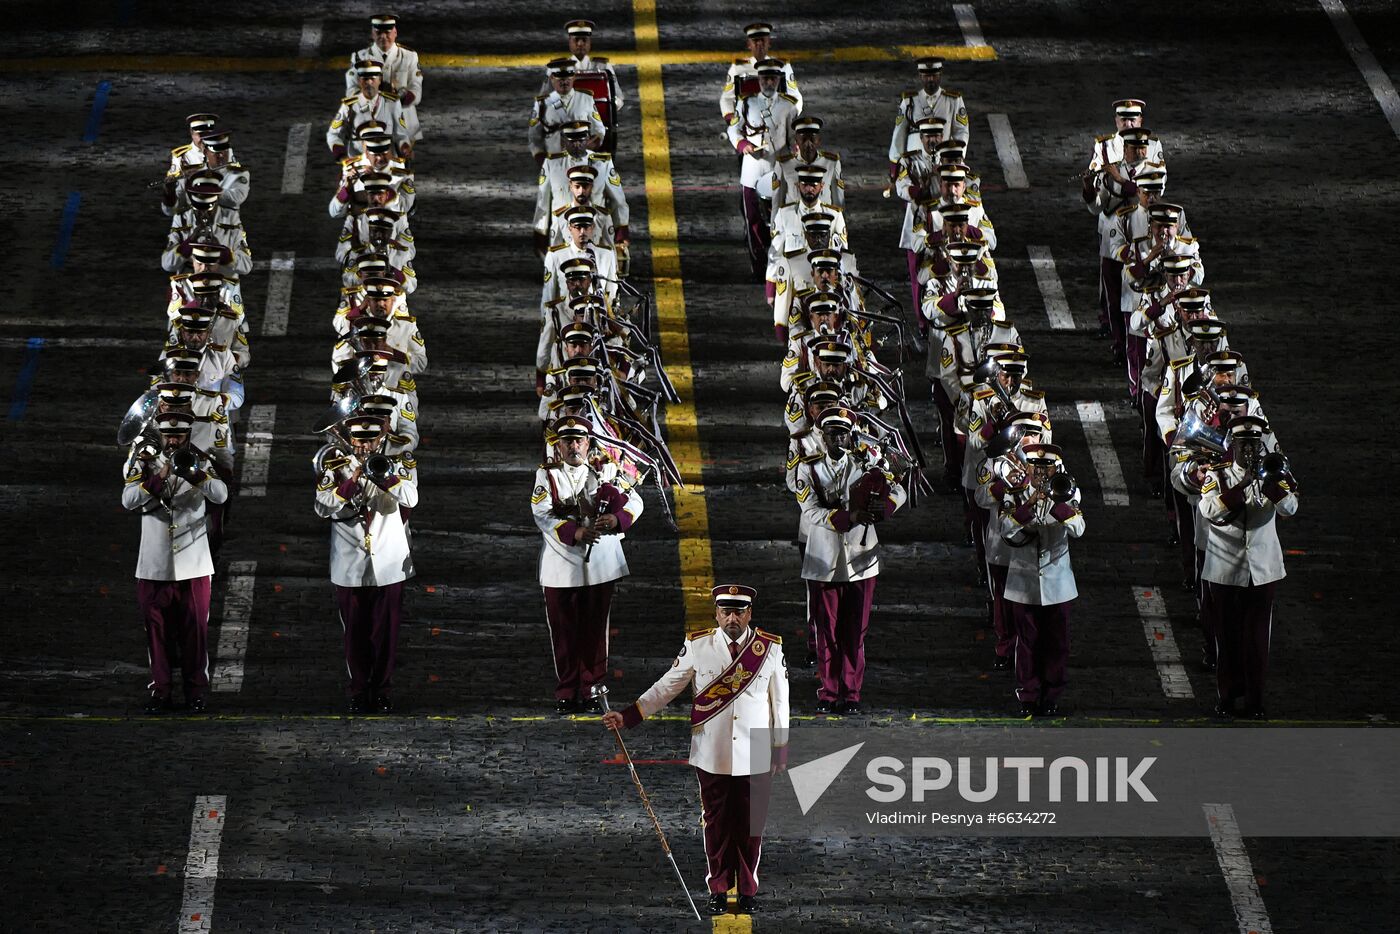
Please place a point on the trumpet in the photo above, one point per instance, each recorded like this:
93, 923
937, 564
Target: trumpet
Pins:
1275, 468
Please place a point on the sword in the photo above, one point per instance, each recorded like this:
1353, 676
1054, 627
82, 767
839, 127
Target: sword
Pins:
600, 693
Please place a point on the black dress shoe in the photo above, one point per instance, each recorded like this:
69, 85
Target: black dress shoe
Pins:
156, 704
1028, 709
1104, 332
1157, 494
383, 703
748, 904
197, 704
1001, 662
1188, 585
718, 903
565, 705
1208, 661
811, 659
848, 708
1172, 538
1225, 710
1049, 710
823, 706
589, 705
358, 703
1258, 714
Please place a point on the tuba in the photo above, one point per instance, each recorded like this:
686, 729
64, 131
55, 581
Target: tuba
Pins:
1194, 433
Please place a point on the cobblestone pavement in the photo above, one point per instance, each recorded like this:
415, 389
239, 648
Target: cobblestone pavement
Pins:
476, 810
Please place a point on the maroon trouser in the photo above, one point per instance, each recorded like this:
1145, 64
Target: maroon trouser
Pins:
911, 258
1137, 356
1244, 619
756, 231
176, 617
947, 436
1111, 300
976, 519
734, 812
370, 617
578, 631
1204, 607
1042, 650
1002, 624
841, 614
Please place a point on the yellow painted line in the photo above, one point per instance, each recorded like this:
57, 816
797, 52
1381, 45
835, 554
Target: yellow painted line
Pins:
733, 924
646, 55
682, 428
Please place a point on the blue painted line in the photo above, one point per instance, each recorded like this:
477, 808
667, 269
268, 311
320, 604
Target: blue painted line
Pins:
20, 401
65, 230
99, 104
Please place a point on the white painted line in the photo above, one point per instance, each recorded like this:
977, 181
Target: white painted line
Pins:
1056, 307
1162, 642
257, 450
1115, 491
1007, 152
279, 294
294, 169
967, 22
310, 39
233, 628
304, 264
1371, 70
202, 864
1250, 913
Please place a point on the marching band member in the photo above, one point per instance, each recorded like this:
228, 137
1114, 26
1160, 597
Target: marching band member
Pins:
760, 131
1037, 521
371, 103
361, 489
560, 188
218, 164
191, 155
583, 521
806, 153
932, 100
841, 498
169, 484
206, 221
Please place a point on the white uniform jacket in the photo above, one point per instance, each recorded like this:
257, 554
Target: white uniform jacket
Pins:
174, 537
766, 123
593, 63
548, 114
838, 551
1039, 572
554, 191
782, 186
1242, 546
722, 745
353, 111
369, 547
401, 73
745, 68
561, 495
915, 106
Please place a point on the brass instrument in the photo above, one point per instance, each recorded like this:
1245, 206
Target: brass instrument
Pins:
1195, 434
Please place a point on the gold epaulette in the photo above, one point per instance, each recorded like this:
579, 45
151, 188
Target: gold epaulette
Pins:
692, 636
741, 61
1033, 393
769, 635
1105, 138
906, 95
181, 150
598, 59
956, 329
983, 392
559, 246
790, 98
829, 154
389, 95
599, 157
350, 100
948, 93
556, 155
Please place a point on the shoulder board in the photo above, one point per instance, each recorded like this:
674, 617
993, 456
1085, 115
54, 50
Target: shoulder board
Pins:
983, 392
558, 246
906, 95
181, 150
691, 637
1105, 138
1128, 208
948, 93
830, 154
1033, 393
787, 157
789, 97
598, 157
741, 61
768, 635
180, 277
549, 464
402, 46
1187, 239
599, 59
540, 97
388, 95
832, 207
350, 100
1180, 362
556, 155
956, 329
559, 212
